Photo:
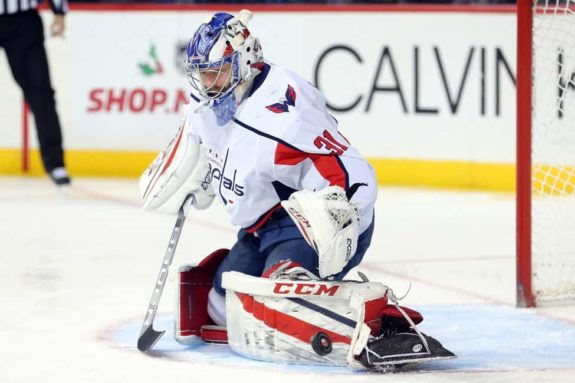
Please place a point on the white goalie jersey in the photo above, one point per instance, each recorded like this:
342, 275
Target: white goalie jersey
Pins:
281, 140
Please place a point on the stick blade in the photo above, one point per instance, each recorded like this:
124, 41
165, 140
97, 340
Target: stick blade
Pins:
148, 338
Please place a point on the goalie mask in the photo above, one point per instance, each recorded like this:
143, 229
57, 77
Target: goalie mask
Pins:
222, 60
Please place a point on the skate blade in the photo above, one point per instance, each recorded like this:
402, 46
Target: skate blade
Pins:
407, 363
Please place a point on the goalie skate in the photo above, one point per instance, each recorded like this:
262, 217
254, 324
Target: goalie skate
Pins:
391, 351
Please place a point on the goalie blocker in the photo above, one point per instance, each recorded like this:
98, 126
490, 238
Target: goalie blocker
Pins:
182, 168
346, 323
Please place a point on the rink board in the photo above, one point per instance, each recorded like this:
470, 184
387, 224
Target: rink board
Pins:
484, 337
427, 106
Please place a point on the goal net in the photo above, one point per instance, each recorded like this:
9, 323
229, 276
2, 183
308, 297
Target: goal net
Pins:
546, 134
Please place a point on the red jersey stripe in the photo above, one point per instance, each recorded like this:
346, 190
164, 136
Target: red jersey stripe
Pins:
327, 165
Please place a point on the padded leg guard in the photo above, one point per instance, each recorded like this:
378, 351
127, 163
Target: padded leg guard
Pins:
303, 322
191, 311
324, 322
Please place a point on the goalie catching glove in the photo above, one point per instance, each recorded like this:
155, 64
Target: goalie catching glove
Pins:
329, 223
182, 168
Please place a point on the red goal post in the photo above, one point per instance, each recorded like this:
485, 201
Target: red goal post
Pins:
545, 222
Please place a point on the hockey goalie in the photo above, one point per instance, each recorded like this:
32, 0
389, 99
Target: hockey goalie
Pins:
259, 139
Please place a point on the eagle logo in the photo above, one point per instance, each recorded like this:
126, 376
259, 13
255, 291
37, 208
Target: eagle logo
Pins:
285, 102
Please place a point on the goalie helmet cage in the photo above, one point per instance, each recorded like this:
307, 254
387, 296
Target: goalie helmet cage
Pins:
545, 222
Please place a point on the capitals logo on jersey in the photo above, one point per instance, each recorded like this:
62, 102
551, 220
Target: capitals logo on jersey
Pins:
285, 103
220, 172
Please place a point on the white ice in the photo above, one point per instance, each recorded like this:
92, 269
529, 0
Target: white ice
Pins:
77, 271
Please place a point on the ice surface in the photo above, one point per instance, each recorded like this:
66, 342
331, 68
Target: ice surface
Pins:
77, 271
485, 338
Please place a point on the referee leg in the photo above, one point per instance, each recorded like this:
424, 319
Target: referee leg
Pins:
27, 58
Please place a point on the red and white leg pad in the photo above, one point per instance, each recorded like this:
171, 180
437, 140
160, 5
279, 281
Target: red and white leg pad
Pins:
191, 311
309, 322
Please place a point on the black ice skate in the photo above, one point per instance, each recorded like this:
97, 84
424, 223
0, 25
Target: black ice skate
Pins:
399, 343
391, 351
60, 176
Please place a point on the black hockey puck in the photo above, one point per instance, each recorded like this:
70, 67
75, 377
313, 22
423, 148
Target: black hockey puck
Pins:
321, 344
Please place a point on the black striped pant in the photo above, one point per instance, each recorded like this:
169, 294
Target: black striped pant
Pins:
22, 37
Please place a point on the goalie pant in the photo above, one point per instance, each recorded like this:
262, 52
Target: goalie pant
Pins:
304, 322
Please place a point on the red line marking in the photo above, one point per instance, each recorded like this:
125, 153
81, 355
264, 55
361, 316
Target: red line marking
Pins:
538, 311
449, 259
105, 197
372, 266
128, 202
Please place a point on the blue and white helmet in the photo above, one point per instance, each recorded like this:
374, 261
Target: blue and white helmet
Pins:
223, 39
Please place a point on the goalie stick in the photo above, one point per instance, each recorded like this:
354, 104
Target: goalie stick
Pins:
148, 336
